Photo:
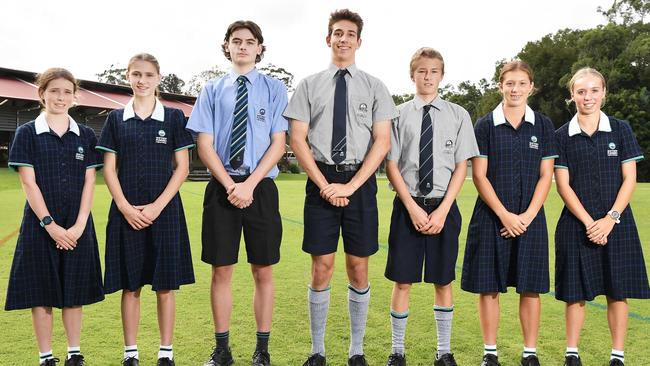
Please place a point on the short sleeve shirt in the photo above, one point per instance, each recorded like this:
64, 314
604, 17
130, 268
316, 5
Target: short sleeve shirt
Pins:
514, 155
368, 102
145, 149
453, 142
594, 162
213, 114
59, 163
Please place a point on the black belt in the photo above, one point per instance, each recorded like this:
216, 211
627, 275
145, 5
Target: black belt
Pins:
339, 168
428, 201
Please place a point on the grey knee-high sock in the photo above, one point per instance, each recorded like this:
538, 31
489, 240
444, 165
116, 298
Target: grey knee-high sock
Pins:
444, 316
398, 326
358, 300
319, 304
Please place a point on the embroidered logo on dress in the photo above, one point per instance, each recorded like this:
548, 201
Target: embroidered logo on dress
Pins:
363, 107
533, 138
80, 153
612, 150
533, 144
161, 139
261, 115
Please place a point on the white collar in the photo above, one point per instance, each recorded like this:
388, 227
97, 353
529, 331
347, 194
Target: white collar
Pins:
41, 125
158, 111
603, 124
499, 117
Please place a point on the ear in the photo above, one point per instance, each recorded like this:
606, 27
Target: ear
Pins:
328, 40
359, 42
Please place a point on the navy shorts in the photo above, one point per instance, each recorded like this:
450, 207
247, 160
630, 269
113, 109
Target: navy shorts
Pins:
223, 224
408, 249
358, 222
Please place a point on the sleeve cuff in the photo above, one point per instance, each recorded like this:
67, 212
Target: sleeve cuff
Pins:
482, 156
14, 165
556, 166
550, 157
186, 147
95, 166
636, 158
104, 148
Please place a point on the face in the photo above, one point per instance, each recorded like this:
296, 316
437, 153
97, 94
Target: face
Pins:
588, 94
144, 78
243, 47
58, 96
344, 41
515, 88
427, 76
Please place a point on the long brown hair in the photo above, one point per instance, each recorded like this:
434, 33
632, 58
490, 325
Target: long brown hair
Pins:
148, 58
54, 73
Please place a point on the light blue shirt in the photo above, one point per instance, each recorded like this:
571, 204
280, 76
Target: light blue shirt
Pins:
213, 114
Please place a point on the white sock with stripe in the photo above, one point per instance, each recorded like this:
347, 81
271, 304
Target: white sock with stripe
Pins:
572, 351
131, 352
42, 356
166, 351
490, 349
529, 351
73, 351
618, 355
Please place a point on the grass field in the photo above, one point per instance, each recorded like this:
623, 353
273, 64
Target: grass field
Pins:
290, 344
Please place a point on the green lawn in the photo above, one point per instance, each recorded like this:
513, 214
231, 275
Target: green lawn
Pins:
102, 337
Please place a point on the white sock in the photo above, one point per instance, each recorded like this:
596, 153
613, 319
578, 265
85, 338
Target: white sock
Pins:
490, 349
42, 356
131, 351
617, 354
73, 351
529, 351
166, 351
572, 351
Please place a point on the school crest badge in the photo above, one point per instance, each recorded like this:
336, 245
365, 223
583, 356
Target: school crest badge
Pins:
80, 153
533, 144
161, 139
363, 107
261, 115
612, 149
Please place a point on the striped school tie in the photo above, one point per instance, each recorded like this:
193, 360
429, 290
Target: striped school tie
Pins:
340, 109
426, 152
238, 135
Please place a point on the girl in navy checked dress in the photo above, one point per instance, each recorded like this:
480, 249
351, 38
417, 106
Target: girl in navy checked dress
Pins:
56, 263
597, 246
146, 235
507, 239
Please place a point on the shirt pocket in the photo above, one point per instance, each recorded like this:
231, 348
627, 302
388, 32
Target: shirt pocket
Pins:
261, 114
361, 109
448, 144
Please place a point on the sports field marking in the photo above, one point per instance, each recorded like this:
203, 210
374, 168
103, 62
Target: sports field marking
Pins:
11, 235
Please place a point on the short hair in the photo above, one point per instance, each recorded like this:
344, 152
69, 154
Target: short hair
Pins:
345, 14
427, 52
245, 24
516, 65
54, 73
148, 58
583, 72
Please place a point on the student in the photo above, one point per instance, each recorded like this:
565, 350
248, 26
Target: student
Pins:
427, 164
346, 114
241, 137
146, 235
56, 263
507, 241
597, 246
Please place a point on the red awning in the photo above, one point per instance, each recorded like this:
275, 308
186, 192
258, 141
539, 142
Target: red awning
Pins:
17, 89
87, 98
186, 108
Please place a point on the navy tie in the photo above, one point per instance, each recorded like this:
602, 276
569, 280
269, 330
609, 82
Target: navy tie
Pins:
238, 135
426, 152
340, 111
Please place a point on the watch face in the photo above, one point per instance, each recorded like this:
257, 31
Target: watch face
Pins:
47, 220
616, 215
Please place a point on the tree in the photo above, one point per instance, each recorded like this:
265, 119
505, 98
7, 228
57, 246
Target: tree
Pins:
478, 99
399, 99
198, 81
113, 75
627, 11
279, 73
171, 84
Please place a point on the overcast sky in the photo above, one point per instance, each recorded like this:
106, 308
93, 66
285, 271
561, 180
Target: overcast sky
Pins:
88, 36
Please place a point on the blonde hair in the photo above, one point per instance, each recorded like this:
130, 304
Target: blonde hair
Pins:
427, 52
516, 65
148, 58
582, 73
54, 73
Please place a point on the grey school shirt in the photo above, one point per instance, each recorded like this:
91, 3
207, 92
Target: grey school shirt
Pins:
453, 142
368, 102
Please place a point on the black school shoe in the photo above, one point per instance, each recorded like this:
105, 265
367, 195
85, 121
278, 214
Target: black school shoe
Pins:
261, 358
315, 360
445, 360
50, 362
220, 357
616, 362
572, 361
165, 361
75, 360
396, 359
357, 360
131, 361
490, 360
531, 360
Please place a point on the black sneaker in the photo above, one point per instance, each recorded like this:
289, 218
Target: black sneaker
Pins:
220, 357
396, 359
616, 362
50, 362
315, 360
572, 361
490, 360
75, 360
445, 360
131, 361
357, 360
531, 360
165, 361
261, 358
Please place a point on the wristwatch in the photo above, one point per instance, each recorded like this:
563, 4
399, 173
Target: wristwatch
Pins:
615, 215
46, 221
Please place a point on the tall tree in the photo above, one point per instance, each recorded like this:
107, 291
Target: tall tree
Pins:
279, 73
198, 81
171, 84
626, 11
113, 75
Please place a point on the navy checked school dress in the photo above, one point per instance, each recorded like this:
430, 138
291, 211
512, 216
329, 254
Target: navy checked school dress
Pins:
158, 255
493, 263
42, 275
584, 270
